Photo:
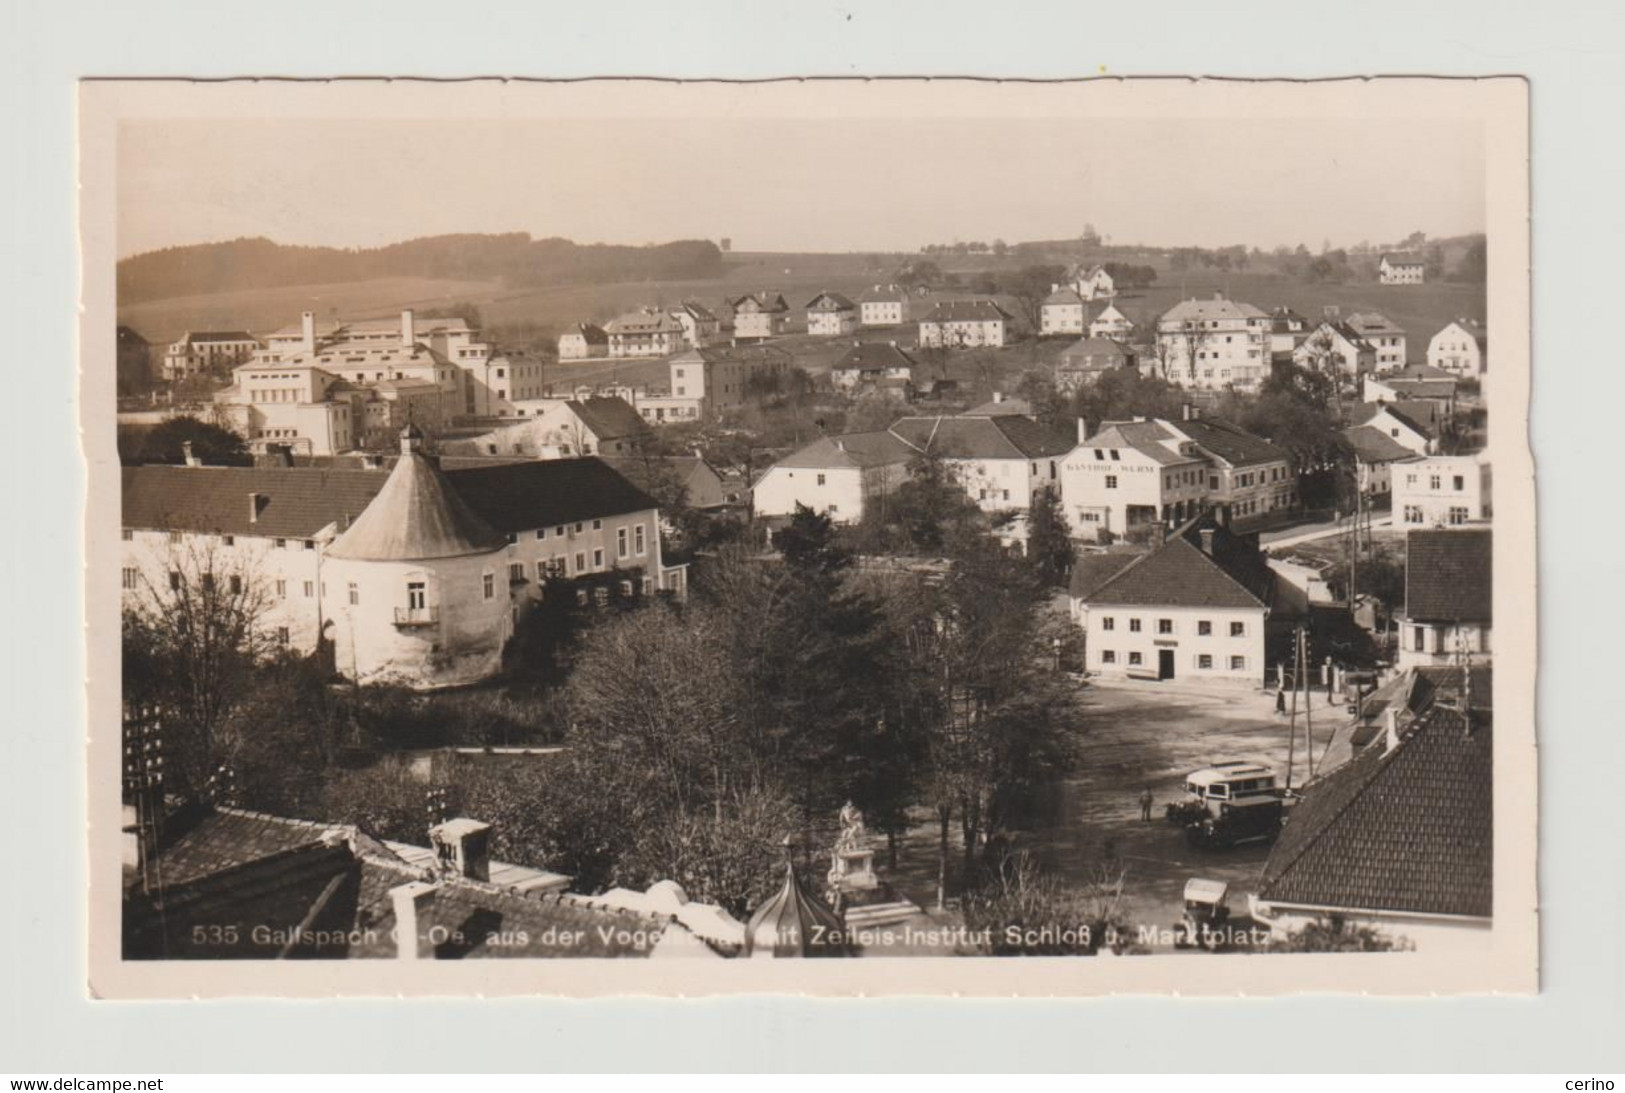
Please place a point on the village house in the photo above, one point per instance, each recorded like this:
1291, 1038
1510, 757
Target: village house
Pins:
760, 315
883, 305
835, 476
1441, 491
999, 459
208, 351
1400, 838
1133, 475
1214, 344
1062, 312
831, 315
646, 332
217, 882
1375, 455
563, 430
1416, 425
1335, 348
1194, 606
1386, 338
1091, 283
1410, 385
1460, 348
1111, 323
874, 367
1401, 269
416, 575
703, 486
1449, 597
582, 342
966, 324
718, 376
700, 326
1085, 361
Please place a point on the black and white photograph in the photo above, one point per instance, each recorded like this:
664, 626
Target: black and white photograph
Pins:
989, 538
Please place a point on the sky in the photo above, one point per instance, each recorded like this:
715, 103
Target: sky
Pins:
800, 184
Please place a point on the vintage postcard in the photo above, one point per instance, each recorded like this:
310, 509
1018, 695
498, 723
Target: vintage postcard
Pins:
632, 537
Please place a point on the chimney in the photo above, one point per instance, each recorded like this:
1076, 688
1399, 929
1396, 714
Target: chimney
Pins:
1390, 729
411, 902
307, 321
1159, 535
254, 502
1184, 411
1082, 430
409, 333
1207, 542
463, 847
191, 459
1218, 295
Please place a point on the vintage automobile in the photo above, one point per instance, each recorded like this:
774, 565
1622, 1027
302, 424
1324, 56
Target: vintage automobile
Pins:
1207, 913
1231, 802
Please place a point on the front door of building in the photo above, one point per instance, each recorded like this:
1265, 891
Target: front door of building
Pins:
1165, 664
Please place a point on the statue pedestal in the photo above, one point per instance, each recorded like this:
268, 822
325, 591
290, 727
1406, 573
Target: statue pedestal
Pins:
854, 871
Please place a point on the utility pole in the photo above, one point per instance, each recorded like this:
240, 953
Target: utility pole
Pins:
1308, 705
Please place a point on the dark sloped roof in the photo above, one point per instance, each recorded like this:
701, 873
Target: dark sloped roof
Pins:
871, 355
223, 839
591, 333
1095, 353
830, 301
1230, 443
609, 418
873, 449
967, 311
1005, 437
1091, 571
1372, 445
1409, 829
1146, 437
1448, 575
196, 336
517, 497
416, 516
296, 502
1180, 574
1420, 388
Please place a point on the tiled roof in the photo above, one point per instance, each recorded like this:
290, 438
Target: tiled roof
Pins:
517, 497
1421, 416
1149, 438
1094, 353
999, 407
1371, 324
1473, 328
1403, 258
883, 294
698, 312
869, 356
830, 301
1372, 445
744, 354
219, 840
1067, 296
876, 449
967, 311
590, 333
295, 502
1448, 575
1408, 829
609, 418
1090, 571
1211, 310
192, 338
1420, 388
1006, 437
1230, 443
643, 322
1180, 574
760, 301
416, 516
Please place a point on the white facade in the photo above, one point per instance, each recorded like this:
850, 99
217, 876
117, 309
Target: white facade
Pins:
1400, 271
1191, 644
1118, 489
1403, 432
883, 309
1459, 349
1062, 313
1387, 340
196, 353
839, 492
1111, 323
1441, 491
1214, 344
1439, 643
1336, 350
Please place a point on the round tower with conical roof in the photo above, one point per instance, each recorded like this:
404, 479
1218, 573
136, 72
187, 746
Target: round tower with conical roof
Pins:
416, 587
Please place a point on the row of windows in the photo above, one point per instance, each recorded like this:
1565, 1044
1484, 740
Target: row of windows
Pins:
1458, 483
1204, 627
1458, 514
1202, 661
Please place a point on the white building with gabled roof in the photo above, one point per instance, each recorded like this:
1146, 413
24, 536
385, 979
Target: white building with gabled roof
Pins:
1214, 344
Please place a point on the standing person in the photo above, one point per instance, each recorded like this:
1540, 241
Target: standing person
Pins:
1145, 804
1280, 702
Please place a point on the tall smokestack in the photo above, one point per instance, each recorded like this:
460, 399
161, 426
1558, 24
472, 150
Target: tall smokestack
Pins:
307, 323
409, 334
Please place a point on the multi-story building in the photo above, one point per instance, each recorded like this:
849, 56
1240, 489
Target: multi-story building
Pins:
1401, 269
1085, 361
869, 365
835, 476
1062, 312
718, 376
415, 575
1461, 348
1288, 330
1335, 348
1132, 476
1375, 456
1091, 282
208, 351
583, 342
1214, 344
966, 324
563, 429
700, 326
760, 315
1413, 424
883, 305
1112, 323
1195, 606
644, 333
831, 315
1386, 338
1449, 597
296, 403
1437, 491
